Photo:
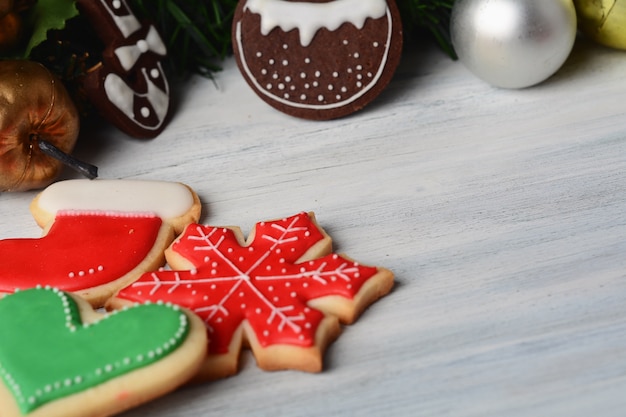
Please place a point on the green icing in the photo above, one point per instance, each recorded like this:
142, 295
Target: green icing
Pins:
47, 353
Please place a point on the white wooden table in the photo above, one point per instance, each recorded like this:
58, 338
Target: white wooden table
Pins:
502, 213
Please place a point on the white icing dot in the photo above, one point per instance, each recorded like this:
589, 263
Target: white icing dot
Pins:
302, 75
345, 42
285, 62
287, 79
344, 89
369, 74
143, 45
241, 294
266, 333
259, 54
285, 46
359, 77
230, 250
307, 60
317, 73
275, 299
350, 70
154, 73
270, 288
315, 84
305, 284
359, 67
356, 55
330, 87
264, 71
306, 85
258, 310
335, 74
269, 267
116, 4
268, 86
338, 97
271, 62
293, 294
145, 112
71, 275
281, 86
320, 98
243, 306
375, 44
275, 76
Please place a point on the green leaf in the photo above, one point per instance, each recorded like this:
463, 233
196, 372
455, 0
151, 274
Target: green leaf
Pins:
46, 15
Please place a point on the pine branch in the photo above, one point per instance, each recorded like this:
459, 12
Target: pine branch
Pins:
431, 15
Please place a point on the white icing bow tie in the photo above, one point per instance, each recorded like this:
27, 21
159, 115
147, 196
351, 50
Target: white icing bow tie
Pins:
129, 55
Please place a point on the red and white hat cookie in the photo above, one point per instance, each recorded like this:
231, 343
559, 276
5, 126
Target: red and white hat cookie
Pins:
317, 59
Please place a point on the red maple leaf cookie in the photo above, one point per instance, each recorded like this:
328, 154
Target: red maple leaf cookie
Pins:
282, 292
99, 236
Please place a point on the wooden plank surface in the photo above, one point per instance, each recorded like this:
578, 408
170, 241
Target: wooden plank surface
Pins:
502, 213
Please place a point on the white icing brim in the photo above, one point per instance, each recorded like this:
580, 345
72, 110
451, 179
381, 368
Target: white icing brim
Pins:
164, 199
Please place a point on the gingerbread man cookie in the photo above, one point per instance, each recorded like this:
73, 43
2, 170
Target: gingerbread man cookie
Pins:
129, 86
99, 235
59, 358
282, 292
317, 59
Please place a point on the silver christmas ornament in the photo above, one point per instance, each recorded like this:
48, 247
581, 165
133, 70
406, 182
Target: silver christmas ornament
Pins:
513, 43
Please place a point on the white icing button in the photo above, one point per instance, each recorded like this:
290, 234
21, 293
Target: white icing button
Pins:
145, 112
154, 73
142, 45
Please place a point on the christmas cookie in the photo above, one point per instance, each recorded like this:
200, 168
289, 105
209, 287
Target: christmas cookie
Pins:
317, 59
59, 358
129, 86
99, 235
282, 292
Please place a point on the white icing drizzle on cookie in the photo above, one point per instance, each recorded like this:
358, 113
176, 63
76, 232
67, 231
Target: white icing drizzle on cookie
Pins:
164, 199
308, 18
373, 78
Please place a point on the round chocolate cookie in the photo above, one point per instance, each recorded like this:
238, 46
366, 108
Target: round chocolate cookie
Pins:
317, 59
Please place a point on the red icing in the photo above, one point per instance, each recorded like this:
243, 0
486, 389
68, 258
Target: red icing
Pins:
80, 251
261, 283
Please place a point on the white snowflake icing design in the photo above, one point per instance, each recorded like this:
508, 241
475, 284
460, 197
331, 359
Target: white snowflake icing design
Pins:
264, 282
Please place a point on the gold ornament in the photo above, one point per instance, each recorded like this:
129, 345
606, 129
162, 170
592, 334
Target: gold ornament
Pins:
34, 108
604, 21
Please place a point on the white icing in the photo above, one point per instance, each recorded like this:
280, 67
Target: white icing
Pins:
329, 106
165, 199
308, 18
122, 97
128, 55
127, 25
